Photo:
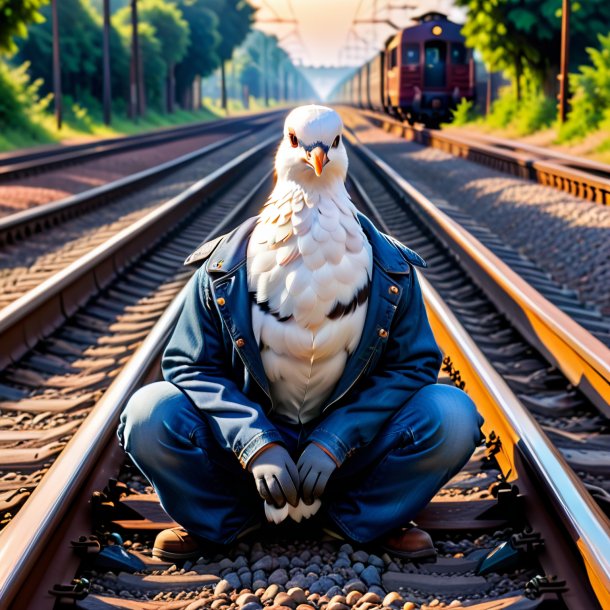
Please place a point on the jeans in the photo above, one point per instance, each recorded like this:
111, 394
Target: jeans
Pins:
381, 487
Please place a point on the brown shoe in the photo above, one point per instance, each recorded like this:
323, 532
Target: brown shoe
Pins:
410, 543
176, 544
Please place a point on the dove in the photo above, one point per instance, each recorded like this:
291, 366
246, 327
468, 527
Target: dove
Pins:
309, 267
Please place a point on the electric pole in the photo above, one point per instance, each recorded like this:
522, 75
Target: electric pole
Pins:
56, 66
106, 64
565, 58
135, 94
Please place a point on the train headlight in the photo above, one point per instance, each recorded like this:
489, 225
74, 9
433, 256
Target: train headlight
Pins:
437, 30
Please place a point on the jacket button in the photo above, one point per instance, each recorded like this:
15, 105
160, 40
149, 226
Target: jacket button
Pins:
383, 333
240, 342
220, 301
394, 289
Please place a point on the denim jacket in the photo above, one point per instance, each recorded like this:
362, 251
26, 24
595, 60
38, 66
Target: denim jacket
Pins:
214, 359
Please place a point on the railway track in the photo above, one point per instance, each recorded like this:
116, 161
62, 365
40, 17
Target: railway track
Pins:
579, 177
16, 165
39, 243
108, 341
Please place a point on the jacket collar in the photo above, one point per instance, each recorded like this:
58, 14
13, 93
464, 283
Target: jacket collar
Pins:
388, 253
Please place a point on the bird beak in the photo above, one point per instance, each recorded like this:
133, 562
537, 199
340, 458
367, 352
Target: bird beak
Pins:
318, 159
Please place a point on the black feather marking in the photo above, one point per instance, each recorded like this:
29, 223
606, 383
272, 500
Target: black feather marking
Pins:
340, 310
264, 306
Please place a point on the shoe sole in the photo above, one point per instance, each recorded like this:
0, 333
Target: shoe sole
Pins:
168, 556
425, 554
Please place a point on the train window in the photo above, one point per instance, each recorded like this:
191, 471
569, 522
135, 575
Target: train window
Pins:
410, 54
393, 59
458, 53
434, 69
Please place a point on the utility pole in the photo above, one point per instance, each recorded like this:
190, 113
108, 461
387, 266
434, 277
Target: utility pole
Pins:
135, 94
265, 72
565, 58
56, 66
106, 66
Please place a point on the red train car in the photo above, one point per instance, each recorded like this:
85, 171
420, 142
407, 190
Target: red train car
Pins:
421, 75
428, 70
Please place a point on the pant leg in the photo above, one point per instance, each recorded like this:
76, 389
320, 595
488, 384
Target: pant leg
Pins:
425, 444
200, 485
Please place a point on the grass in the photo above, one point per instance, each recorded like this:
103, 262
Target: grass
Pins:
80, 125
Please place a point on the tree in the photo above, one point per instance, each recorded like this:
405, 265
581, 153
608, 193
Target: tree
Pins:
201, 56
524, 35
235, 20
172, 32
14, 17
153, 65
80, 46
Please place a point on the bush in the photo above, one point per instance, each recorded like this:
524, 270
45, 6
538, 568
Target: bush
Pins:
464, 112
21, 109
590, 94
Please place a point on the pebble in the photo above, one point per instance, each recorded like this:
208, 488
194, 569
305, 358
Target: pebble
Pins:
270, 593
233, 579
264, 563
218, 603
370, 598
355, 585
435, 602
392, 598
251, 606
258, 575
370, 576
409, 606
358, 567
246, 598
376, 561
352, 597
361, 556
304, 607
283, 599
223, 586
297, 594
259, 584
313, 567
279, 577
334, 591
322, 585
378, 590
342, 563
346, 548
337, 606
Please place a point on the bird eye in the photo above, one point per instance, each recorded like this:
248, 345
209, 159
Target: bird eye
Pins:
336, 142
293, 140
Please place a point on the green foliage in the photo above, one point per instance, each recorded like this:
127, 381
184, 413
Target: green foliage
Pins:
515, 35
590, 90
20, 106
464, 112
14, 18
171, 30
235, 20
201, 57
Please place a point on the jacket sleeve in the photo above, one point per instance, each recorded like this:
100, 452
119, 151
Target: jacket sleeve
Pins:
196, 361
411, 361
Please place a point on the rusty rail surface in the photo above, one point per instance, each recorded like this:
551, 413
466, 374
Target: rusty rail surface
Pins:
579, 177
24, 540
527, 458
582, 358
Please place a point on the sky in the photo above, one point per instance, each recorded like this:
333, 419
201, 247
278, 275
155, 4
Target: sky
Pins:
325, 34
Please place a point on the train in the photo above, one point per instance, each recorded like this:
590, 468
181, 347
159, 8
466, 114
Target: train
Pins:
420, 76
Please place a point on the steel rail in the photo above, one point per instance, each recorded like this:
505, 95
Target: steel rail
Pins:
582, 358
506, 416
37, 313
14, 165
23, 541
34, 220
579, 177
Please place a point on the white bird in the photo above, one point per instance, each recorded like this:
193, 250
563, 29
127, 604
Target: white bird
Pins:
309, 267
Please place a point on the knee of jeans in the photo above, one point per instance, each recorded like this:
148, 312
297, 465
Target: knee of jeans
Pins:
453, 422
149, 414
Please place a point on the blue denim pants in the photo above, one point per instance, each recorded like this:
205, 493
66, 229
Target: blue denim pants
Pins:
204, 488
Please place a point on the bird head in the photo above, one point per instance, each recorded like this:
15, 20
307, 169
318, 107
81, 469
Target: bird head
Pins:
312, 153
